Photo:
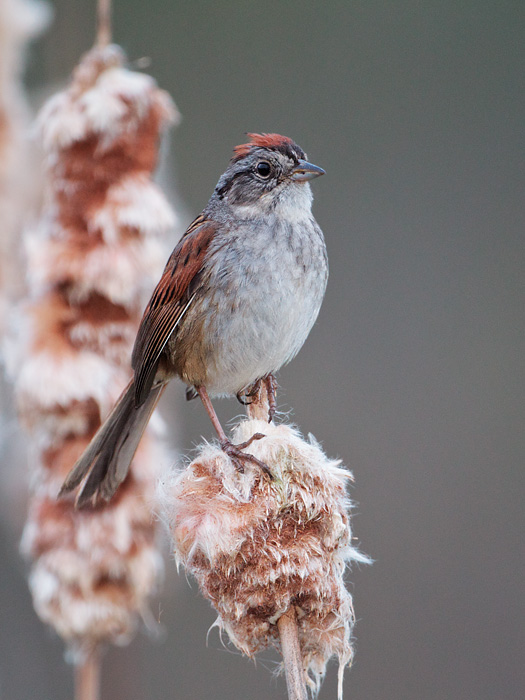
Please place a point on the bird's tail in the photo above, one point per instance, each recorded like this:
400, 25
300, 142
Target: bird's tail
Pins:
104, 464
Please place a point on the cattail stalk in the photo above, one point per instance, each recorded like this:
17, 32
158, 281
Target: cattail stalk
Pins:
87, 677
257, 409
292, 657
103, 23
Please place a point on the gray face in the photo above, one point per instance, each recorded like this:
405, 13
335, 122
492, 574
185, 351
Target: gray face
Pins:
263, 172
256, 175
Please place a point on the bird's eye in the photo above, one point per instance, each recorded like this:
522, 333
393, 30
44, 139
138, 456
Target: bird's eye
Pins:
263, 169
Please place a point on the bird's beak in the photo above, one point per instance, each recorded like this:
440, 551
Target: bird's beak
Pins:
304, 171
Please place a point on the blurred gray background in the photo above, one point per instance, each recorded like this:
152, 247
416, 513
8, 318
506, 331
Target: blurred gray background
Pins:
413, 374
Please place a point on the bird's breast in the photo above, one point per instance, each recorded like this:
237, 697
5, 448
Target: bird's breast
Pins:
261, 292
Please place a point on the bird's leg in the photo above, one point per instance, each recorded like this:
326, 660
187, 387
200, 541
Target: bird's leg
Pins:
271, 389
233, 451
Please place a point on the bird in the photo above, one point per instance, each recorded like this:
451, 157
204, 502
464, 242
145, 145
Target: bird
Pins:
236, 301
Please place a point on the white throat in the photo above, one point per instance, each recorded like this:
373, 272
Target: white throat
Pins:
293, 204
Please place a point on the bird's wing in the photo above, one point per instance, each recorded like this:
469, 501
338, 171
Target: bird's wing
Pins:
169, 302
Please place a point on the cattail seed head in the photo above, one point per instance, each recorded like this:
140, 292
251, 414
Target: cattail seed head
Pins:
97, 248
20, 21
258, 547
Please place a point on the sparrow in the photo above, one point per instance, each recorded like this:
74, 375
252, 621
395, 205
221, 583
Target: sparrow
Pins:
236, 301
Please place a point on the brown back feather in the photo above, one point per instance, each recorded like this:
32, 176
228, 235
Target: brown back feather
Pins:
169, 302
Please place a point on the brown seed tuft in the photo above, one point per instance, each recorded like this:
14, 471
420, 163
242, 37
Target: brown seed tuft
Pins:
258, 548
95, 250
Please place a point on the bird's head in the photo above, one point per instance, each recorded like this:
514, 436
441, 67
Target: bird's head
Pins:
269, 173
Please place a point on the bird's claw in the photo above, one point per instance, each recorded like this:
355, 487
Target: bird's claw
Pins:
248, 395
237, 456
251, 394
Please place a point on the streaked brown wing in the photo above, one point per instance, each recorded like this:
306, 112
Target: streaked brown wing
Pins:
169, 302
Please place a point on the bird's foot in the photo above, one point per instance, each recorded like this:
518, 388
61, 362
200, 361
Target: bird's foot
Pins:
238, 457
252, 394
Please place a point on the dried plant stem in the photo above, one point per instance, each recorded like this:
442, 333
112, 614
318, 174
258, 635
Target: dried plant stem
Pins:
257, 409
87, 677
292, 658
287, 623
103, 23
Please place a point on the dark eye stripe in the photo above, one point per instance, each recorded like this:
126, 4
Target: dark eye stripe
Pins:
229, 183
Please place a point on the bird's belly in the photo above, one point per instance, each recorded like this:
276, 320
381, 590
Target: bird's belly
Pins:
255, 321
260, 338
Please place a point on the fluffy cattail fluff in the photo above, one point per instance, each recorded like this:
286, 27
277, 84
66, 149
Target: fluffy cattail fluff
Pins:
20, 20
95, 251
258, 548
